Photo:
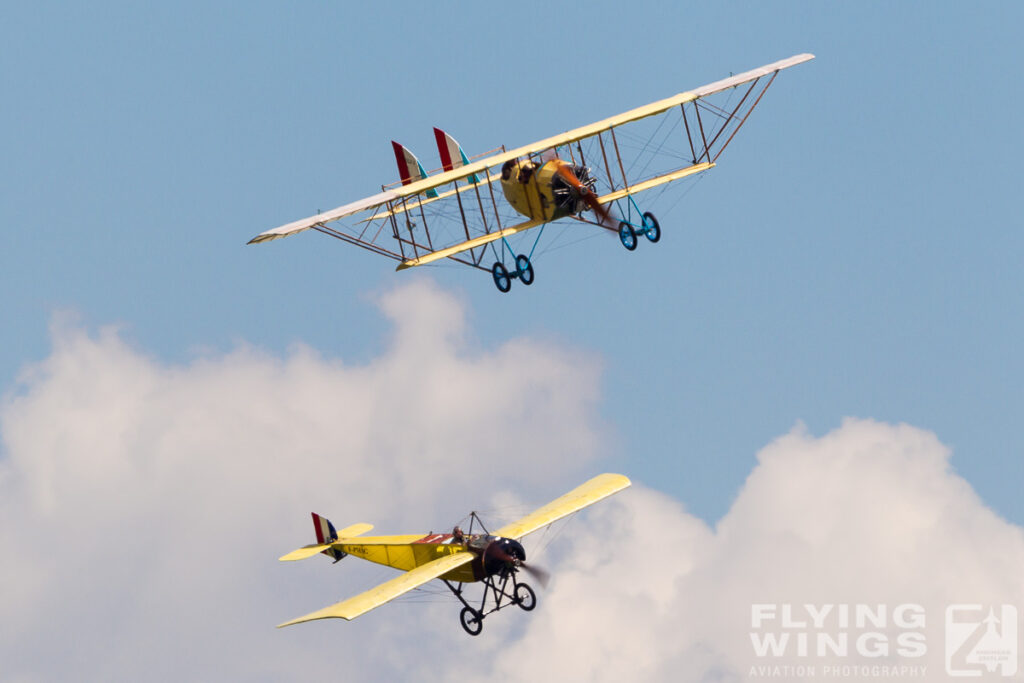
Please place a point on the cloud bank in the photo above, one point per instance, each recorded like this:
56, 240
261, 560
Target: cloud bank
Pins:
143, 506
869, 515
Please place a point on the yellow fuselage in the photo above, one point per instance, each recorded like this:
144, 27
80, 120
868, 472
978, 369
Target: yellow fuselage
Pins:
528, 187
410, 551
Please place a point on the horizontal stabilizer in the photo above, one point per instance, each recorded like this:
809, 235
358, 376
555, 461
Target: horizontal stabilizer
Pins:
327, 538
305, 551
355, 530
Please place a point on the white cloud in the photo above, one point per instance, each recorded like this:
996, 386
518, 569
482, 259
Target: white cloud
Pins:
868, 514
143, 506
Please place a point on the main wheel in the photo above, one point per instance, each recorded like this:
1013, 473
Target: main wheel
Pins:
471, 620
651, 224
525, 269
525, 597
501, 279
627, 235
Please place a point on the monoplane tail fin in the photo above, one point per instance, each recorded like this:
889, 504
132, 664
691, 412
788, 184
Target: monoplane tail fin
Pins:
326, 535
325, 532
451, 153
409, 167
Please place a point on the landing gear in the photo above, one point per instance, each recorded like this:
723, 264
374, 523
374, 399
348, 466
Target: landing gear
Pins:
627, 235
503, 278
472, 621
524, 597
648, 227
524, 269
651, 227
504, 591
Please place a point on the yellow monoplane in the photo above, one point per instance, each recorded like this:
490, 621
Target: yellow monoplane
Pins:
590, 174
456, 559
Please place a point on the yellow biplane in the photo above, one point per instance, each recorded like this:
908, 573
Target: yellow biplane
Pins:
456, 559
591, 174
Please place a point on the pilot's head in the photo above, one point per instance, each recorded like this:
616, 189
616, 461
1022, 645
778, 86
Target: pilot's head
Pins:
507, 167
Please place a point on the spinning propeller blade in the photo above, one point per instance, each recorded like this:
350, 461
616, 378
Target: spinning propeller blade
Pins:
494, 550
543, 576
604, 217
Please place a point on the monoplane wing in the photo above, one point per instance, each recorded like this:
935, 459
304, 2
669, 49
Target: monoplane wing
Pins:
598, 488
385, 592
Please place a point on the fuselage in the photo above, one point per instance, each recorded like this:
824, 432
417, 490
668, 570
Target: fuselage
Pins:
407, 552
537, 191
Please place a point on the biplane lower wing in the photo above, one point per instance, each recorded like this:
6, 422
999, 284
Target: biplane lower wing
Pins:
598, 488
385, 592
497, 235
654, 182
467, 245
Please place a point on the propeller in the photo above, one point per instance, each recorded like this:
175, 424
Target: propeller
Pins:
588, 196
496, 551
542, 576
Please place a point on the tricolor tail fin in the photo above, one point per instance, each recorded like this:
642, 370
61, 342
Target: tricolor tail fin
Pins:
451, 153
326, 534
325, 539
409, 167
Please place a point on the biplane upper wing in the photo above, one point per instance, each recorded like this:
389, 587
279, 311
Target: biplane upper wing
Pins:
325, 217
387, 591
595, 128
598, 488
405, 197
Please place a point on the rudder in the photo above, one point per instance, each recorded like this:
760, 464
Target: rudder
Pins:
451, 153
409, 167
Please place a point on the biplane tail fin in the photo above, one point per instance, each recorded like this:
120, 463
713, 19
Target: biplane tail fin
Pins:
409, 167
451, 153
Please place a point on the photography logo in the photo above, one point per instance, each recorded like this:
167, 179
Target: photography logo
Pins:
981, 640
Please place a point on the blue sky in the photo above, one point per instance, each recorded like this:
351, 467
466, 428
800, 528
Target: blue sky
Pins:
855, 253
828, 311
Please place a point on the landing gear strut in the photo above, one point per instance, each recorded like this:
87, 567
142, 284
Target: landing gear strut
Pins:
503, 278
502, 595
648, 227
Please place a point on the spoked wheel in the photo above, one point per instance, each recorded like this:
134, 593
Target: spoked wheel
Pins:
501, 279
653, 230
525, 269
525, 597
471, 620
627, 235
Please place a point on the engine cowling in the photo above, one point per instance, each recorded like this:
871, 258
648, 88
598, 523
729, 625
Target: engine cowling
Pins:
497, 554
